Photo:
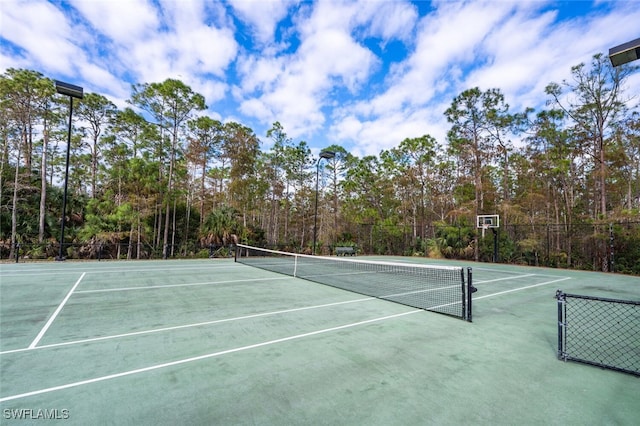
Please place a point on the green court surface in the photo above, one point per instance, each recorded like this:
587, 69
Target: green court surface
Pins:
215, 342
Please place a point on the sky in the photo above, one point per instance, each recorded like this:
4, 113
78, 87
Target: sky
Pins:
361, 74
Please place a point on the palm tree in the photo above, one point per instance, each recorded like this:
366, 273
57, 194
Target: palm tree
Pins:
220, 227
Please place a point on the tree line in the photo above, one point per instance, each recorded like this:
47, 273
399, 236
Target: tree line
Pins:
162, 177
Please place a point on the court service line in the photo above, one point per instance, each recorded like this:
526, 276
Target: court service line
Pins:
204, 268
202, 357
500, 271
520, 288
154, 287
55, 314
421, 291
503, 279
35, 272
178, 327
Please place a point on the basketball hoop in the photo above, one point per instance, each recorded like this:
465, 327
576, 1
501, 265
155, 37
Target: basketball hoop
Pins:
487, 221
490, 221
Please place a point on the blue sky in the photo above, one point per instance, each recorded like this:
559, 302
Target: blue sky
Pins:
362, 74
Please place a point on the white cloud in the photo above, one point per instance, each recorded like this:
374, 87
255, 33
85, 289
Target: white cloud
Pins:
388, 20
257, 108
313, 66
121, 23
262, 16
204, 49
181, 46
333, 53
377, 134
405, 109
150, 60
530, 51
297, 86
259, 73
370, 136
505, 45
212, 90
42, 32
101, 81
518, 55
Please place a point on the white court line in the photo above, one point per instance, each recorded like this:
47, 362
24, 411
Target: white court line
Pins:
421, 291
521, 288
500, 271
106, 290
178, 327
503, 279
201, 357
55, 314
36, 272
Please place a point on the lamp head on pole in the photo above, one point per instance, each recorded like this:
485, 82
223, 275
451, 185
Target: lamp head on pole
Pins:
69, 89
327, 154
624, 53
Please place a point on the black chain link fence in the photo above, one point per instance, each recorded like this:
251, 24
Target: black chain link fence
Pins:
112, 251
610, 247
599, 331
607, 247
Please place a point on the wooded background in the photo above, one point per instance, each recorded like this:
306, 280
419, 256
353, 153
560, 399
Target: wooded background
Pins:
161, 179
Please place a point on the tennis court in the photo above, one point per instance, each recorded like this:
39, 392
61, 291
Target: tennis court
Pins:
218, 342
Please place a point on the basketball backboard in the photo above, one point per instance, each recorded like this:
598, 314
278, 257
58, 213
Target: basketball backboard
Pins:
485, 221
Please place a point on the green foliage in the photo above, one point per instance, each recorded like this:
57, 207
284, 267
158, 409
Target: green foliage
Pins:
168, 177
220, 227
453, 241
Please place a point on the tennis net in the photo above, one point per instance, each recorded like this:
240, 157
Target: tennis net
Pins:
441, 289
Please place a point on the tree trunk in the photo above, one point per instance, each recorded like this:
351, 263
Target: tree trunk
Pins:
479, 200
186, 231
202, 193
167, 217
43, 184
130, 245
14, 207
603, 171
4, 160
94, 167
139, 251
165, 238
173, 227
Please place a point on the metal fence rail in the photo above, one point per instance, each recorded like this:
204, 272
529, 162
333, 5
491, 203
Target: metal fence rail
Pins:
111, 251
603, 246
599, 331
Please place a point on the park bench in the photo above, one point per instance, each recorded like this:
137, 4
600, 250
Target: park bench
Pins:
344, 251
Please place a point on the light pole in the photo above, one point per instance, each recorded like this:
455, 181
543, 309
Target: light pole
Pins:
73, 92
619, 55
326, 155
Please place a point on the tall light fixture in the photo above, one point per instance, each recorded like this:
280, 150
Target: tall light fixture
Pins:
326, 155
627, 52
73, 92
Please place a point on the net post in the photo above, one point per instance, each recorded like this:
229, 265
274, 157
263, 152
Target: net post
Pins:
465, 296
561, 303
235, 253
470, 290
